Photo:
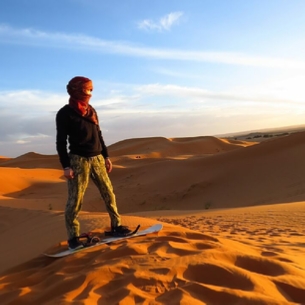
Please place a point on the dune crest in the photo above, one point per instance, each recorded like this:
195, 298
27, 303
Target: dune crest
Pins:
159, 147
32, 160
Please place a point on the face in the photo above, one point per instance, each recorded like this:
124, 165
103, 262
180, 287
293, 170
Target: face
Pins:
87, 91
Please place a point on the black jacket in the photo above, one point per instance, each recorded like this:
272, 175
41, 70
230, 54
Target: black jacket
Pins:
84, 137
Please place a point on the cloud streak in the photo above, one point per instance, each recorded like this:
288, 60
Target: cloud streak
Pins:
164, 23
199, 95
32, 37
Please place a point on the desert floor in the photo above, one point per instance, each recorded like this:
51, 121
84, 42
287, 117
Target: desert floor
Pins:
233, 215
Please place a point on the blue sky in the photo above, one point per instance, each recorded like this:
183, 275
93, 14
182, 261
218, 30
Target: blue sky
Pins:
160, 68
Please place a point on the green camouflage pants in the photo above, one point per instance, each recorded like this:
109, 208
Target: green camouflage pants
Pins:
85, 168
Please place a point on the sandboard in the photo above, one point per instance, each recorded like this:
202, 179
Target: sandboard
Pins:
153, 229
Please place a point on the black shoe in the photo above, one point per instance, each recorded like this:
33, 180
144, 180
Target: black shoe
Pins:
120, 231
75, 244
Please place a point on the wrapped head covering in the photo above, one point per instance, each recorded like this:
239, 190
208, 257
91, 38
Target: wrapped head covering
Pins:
79, 88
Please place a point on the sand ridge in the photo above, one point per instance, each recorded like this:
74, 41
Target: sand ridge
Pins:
233, 215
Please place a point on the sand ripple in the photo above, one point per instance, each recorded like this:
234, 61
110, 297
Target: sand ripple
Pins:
176, 267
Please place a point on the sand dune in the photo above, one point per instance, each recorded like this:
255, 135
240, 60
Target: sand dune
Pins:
179, 266
4, 159
166, 148
234, 223
271, 172
32, 160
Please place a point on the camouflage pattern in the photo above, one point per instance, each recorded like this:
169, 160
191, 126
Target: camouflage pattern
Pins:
85, 168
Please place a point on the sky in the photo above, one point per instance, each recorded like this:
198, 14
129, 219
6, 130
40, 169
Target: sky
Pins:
174, 68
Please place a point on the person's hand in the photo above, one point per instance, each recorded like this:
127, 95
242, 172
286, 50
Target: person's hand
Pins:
108, 165
68, 173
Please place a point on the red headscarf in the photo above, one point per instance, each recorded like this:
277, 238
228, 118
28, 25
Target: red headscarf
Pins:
79, 89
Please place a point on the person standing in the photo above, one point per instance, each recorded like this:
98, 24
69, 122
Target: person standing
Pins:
77, 125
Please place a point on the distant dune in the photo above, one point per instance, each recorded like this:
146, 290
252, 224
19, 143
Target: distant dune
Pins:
32, 160
175, 147
186, 173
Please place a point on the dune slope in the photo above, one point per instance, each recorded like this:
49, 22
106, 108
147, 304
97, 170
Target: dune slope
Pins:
271, 172
240, 175
175, 267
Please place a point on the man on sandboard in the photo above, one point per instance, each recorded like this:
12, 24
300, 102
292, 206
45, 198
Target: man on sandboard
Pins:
77, 123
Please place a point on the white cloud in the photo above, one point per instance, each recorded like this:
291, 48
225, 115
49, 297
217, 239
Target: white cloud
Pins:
33, 37
164, 23
27, 123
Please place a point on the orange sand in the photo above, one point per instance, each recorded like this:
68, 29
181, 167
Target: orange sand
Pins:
234, 223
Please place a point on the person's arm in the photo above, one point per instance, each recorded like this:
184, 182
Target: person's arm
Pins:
61, 143
104, 151
105, 154
108, 165
104, 147
61, 138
